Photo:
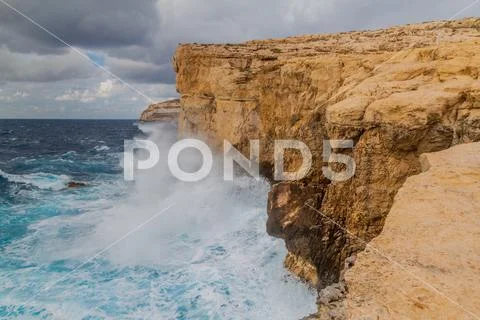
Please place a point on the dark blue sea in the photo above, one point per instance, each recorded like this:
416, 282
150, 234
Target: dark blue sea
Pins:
155, 248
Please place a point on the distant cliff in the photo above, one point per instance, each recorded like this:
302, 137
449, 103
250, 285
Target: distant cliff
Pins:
163, 111
397, 93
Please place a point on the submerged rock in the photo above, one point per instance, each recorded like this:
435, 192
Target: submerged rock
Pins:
74, 184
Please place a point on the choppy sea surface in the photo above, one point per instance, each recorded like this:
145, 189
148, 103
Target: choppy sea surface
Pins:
155, 248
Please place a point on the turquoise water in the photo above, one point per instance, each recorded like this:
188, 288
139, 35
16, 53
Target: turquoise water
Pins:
156, 248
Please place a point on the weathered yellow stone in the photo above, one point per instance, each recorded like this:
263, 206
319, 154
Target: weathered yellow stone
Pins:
397, 93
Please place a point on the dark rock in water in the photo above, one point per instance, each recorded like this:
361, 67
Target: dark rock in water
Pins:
6, 132
73, 184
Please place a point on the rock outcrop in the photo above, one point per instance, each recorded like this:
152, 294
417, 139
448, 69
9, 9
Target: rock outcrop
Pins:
426, 262
163, 111
397, 93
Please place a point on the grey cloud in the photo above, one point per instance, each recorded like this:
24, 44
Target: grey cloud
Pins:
86, 23
141, 72
24, 67
121, 26
20, 44
138, 38
149, 30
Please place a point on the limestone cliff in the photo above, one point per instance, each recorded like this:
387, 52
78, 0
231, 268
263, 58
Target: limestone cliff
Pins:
425, 263
397, 93
162, 111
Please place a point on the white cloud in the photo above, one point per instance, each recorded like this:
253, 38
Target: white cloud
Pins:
21, 94
104, 90
76, 95
13, 96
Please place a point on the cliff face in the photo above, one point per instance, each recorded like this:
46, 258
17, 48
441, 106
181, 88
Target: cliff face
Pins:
162, 111
396, 93
431, 234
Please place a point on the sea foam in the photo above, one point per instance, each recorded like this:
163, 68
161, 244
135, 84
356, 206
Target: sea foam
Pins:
165, 249
39, 180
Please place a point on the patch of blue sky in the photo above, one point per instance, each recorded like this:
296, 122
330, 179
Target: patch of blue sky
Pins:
97, 58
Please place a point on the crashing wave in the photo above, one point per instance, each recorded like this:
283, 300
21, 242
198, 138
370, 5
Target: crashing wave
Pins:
102, 148
39, 180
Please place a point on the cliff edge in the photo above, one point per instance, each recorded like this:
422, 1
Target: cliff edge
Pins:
396, 93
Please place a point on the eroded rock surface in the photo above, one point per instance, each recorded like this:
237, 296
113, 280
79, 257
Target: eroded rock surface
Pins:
162, 111
397, 93
426, 262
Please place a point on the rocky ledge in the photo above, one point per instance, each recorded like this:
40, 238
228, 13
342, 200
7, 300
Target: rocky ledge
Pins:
163, 111
397, 93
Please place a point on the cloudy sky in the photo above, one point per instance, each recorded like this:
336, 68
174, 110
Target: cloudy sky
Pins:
41, 76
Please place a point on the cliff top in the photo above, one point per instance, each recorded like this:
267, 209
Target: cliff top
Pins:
383, 40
